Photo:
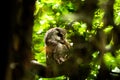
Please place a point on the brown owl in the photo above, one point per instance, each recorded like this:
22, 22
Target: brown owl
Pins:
57, 47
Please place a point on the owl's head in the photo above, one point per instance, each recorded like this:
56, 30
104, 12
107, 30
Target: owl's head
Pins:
56, 34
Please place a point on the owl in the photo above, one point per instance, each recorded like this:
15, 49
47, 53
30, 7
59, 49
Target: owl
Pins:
56, 45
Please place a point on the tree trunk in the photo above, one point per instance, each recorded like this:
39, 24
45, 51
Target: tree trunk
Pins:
16, 39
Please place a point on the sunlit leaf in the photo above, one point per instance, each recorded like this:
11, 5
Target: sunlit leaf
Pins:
108, 29
109, 60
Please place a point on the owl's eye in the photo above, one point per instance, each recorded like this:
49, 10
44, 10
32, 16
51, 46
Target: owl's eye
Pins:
59, 34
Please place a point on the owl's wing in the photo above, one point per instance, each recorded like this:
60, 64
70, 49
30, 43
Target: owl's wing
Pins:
61, 53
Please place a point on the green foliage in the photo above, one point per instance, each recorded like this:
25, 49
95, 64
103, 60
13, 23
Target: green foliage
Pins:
110, 60
97, 21
117, 12
55, 78
58, 13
